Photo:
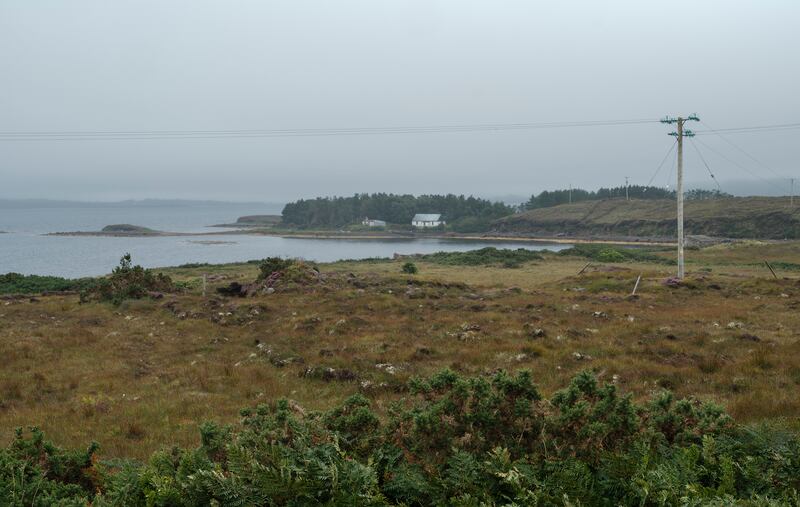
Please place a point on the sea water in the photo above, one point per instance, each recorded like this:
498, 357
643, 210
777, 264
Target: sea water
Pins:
26, 248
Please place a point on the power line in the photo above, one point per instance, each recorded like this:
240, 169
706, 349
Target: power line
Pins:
244, 133
762, 164
119, 135
719, 188
748, 171
672, 168
662, 163
746, 130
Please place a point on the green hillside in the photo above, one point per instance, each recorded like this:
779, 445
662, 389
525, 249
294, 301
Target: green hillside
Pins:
736, 217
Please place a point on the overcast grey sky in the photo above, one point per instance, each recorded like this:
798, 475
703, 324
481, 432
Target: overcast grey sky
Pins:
201, 65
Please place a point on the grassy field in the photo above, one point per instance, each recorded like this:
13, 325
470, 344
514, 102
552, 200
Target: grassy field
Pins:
736, 217
141, 376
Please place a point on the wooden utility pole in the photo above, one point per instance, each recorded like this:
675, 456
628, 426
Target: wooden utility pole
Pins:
679, 191
680, 134
791, 193
626, 189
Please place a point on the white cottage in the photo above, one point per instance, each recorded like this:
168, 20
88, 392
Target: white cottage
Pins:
427, 220
371, 222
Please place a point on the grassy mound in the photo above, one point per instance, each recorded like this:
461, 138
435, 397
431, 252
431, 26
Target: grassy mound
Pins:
276, 273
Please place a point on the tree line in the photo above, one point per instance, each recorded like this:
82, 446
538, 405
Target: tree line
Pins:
392, 208
548, 198
462, 214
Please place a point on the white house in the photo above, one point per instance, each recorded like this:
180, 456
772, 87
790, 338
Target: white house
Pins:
373, 223
427, 220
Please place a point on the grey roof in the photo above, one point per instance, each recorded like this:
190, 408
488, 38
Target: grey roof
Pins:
426, 217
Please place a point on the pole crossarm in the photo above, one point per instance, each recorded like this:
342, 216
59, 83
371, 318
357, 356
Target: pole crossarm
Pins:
670, 119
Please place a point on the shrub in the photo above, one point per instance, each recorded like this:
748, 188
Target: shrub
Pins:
409, 268
128, 281
489, 440
190, 265
610, 255
471, 414
355, 424
591, 419
273, 264
15, 283
35, 472
607, 253
484, 257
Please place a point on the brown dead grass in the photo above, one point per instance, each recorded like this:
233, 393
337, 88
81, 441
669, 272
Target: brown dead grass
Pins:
144, 375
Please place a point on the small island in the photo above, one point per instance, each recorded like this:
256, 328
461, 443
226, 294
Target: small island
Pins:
138, 231
119, 230
254, 221
135, 230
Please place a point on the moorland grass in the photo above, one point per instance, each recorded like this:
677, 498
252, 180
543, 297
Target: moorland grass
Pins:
143, 375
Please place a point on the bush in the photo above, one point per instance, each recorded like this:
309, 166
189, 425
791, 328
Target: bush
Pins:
128, 281
35, 472
409, 268
490, 440
190, 265
272, 265
470, 414
484, 257
15, 283
610, 255
607, 253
